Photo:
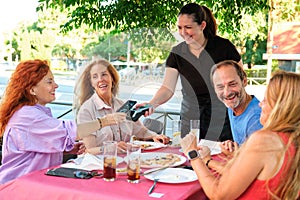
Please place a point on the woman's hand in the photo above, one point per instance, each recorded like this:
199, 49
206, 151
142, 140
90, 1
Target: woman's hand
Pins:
161, 138
114, 118
204, 152
122, 147
188, 143
151, 108
79, 148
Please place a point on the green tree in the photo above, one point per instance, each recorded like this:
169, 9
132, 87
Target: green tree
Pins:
34, 44
109, 46
66, 52
125, 15
138, 18
42, 38
252, 39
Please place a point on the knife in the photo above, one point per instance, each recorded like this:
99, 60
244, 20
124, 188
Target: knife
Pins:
153, 186
155, 170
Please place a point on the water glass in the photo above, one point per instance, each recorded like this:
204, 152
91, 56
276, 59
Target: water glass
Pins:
195, 128
109, 160
176, 132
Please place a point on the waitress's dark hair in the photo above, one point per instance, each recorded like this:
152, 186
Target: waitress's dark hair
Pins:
201, 13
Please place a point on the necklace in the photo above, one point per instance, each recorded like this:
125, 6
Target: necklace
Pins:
200, 46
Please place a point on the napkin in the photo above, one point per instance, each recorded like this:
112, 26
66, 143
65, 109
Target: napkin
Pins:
87, 162
214, 146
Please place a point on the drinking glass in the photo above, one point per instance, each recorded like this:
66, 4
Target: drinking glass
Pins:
176, 132
195, 128
109, 160
133, 163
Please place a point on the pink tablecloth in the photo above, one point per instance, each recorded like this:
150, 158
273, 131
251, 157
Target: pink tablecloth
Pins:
36, 185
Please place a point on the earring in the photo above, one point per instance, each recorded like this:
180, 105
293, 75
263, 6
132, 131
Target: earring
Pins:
32, 93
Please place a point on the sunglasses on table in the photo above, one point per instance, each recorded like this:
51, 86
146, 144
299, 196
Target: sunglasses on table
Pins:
86, 174
73, 173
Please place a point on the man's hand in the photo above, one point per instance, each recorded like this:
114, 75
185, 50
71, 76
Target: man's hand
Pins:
228, 147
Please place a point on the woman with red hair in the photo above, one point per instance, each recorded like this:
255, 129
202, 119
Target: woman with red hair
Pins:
32, 138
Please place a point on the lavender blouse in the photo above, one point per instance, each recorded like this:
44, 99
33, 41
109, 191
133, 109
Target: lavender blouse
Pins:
34, 140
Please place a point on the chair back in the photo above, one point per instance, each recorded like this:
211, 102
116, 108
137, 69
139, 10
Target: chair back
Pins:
154, 125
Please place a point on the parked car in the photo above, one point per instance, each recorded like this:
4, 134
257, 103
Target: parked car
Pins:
127, 72
154, 72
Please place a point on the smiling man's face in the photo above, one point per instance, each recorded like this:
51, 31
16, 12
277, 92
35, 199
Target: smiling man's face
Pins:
229, 88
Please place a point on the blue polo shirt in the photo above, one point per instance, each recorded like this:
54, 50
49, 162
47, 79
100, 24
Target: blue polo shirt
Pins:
244, 125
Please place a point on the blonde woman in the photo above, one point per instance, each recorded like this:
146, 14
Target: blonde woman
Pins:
96, 92
267, 165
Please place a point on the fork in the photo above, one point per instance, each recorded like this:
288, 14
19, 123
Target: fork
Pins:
153, 186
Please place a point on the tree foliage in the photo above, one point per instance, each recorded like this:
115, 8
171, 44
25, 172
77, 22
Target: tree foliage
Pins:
150, 24
125, 15
34, 42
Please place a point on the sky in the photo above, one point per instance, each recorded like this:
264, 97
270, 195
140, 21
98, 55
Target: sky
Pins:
13, 12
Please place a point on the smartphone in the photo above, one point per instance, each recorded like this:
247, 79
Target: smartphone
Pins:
127, 106
135, 114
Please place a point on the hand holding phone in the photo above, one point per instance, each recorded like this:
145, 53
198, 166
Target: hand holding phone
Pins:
138, 112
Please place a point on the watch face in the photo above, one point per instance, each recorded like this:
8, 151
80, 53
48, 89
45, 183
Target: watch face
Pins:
193, 154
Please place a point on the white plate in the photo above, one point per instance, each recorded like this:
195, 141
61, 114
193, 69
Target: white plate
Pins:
151, 156
173, 175
150, 145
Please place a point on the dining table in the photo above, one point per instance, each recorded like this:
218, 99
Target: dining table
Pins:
38, 186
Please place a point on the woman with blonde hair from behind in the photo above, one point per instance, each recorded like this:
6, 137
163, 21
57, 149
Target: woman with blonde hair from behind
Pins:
268, 163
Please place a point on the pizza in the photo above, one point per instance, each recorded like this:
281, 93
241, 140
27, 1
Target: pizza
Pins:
146, 145
161, 160
149, 145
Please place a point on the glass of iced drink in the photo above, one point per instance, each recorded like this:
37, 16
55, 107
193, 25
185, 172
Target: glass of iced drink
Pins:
133, 163
109, 160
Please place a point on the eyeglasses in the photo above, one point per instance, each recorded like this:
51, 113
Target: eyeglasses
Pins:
86, 174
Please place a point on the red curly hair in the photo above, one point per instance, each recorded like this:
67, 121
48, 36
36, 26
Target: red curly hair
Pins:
17, 94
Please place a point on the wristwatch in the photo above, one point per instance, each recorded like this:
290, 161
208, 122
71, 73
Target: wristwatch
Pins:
192, 155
